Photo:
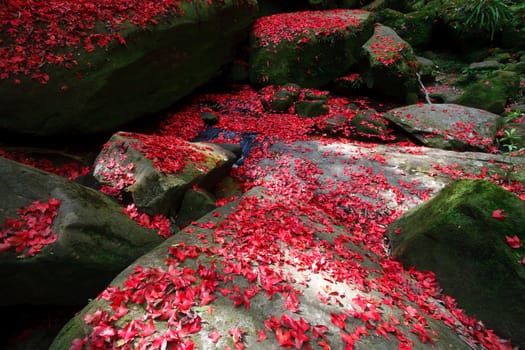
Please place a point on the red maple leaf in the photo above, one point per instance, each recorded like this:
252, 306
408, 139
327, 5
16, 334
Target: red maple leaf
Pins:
338, 320
319, 331
513, 242
498, 214
214, 336
261, 335
236, 333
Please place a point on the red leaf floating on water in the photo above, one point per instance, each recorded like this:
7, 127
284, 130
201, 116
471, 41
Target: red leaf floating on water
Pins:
513, 242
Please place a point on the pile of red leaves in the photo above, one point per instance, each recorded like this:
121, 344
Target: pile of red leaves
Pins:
274, 29
169, 154
39, 33
241, 111
157, 222
32, 230
70, 170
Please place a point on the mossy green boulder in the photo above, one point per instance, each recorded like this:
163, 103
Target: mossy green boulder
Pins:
414, 27
464, 236
109, 87
388, 65
369, 123
310, 48
491, 92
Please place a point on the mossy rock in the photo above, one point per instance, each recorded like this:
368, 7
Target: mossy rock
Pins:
414, 27
456, 236
388, 65
110, 87
491, 92
369, 123
310, 48
156, 171
349, 85
311, 108
96, 240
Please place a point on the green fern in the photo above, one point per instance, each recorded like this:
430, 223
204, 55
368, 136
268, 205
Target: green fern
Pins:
485, 15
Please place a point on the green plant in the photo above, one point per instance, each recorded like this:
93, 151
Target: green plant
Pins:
510, 140
508, 137
485, 15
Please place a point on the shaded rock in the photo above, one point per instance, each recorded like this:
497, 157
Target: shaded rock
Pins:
427, 69
209, 118
280, 98
335, 123
491, 92
120, 83
238, 72
485, 65
195, 204
311, 108
94, 239
229, 302
447, 126
349, 85
157, 170
388, 65
309, 48
459, 237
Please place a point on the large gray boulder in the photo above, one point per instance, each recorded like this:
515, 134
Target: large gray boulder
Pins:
110, 86
71, 240
447, 126
224, 283
310, 48
471, 235
299, 262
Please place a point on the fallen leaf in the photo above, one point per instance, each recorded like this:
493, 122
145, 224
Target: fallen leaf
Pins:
498, 214
513, 242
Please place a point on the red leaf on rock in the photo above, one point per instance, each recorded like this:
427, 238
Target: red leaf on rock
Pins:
513, 242
498, 214
214, 336
261, 335
283, 337
319, 331
338, 320
236, 333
